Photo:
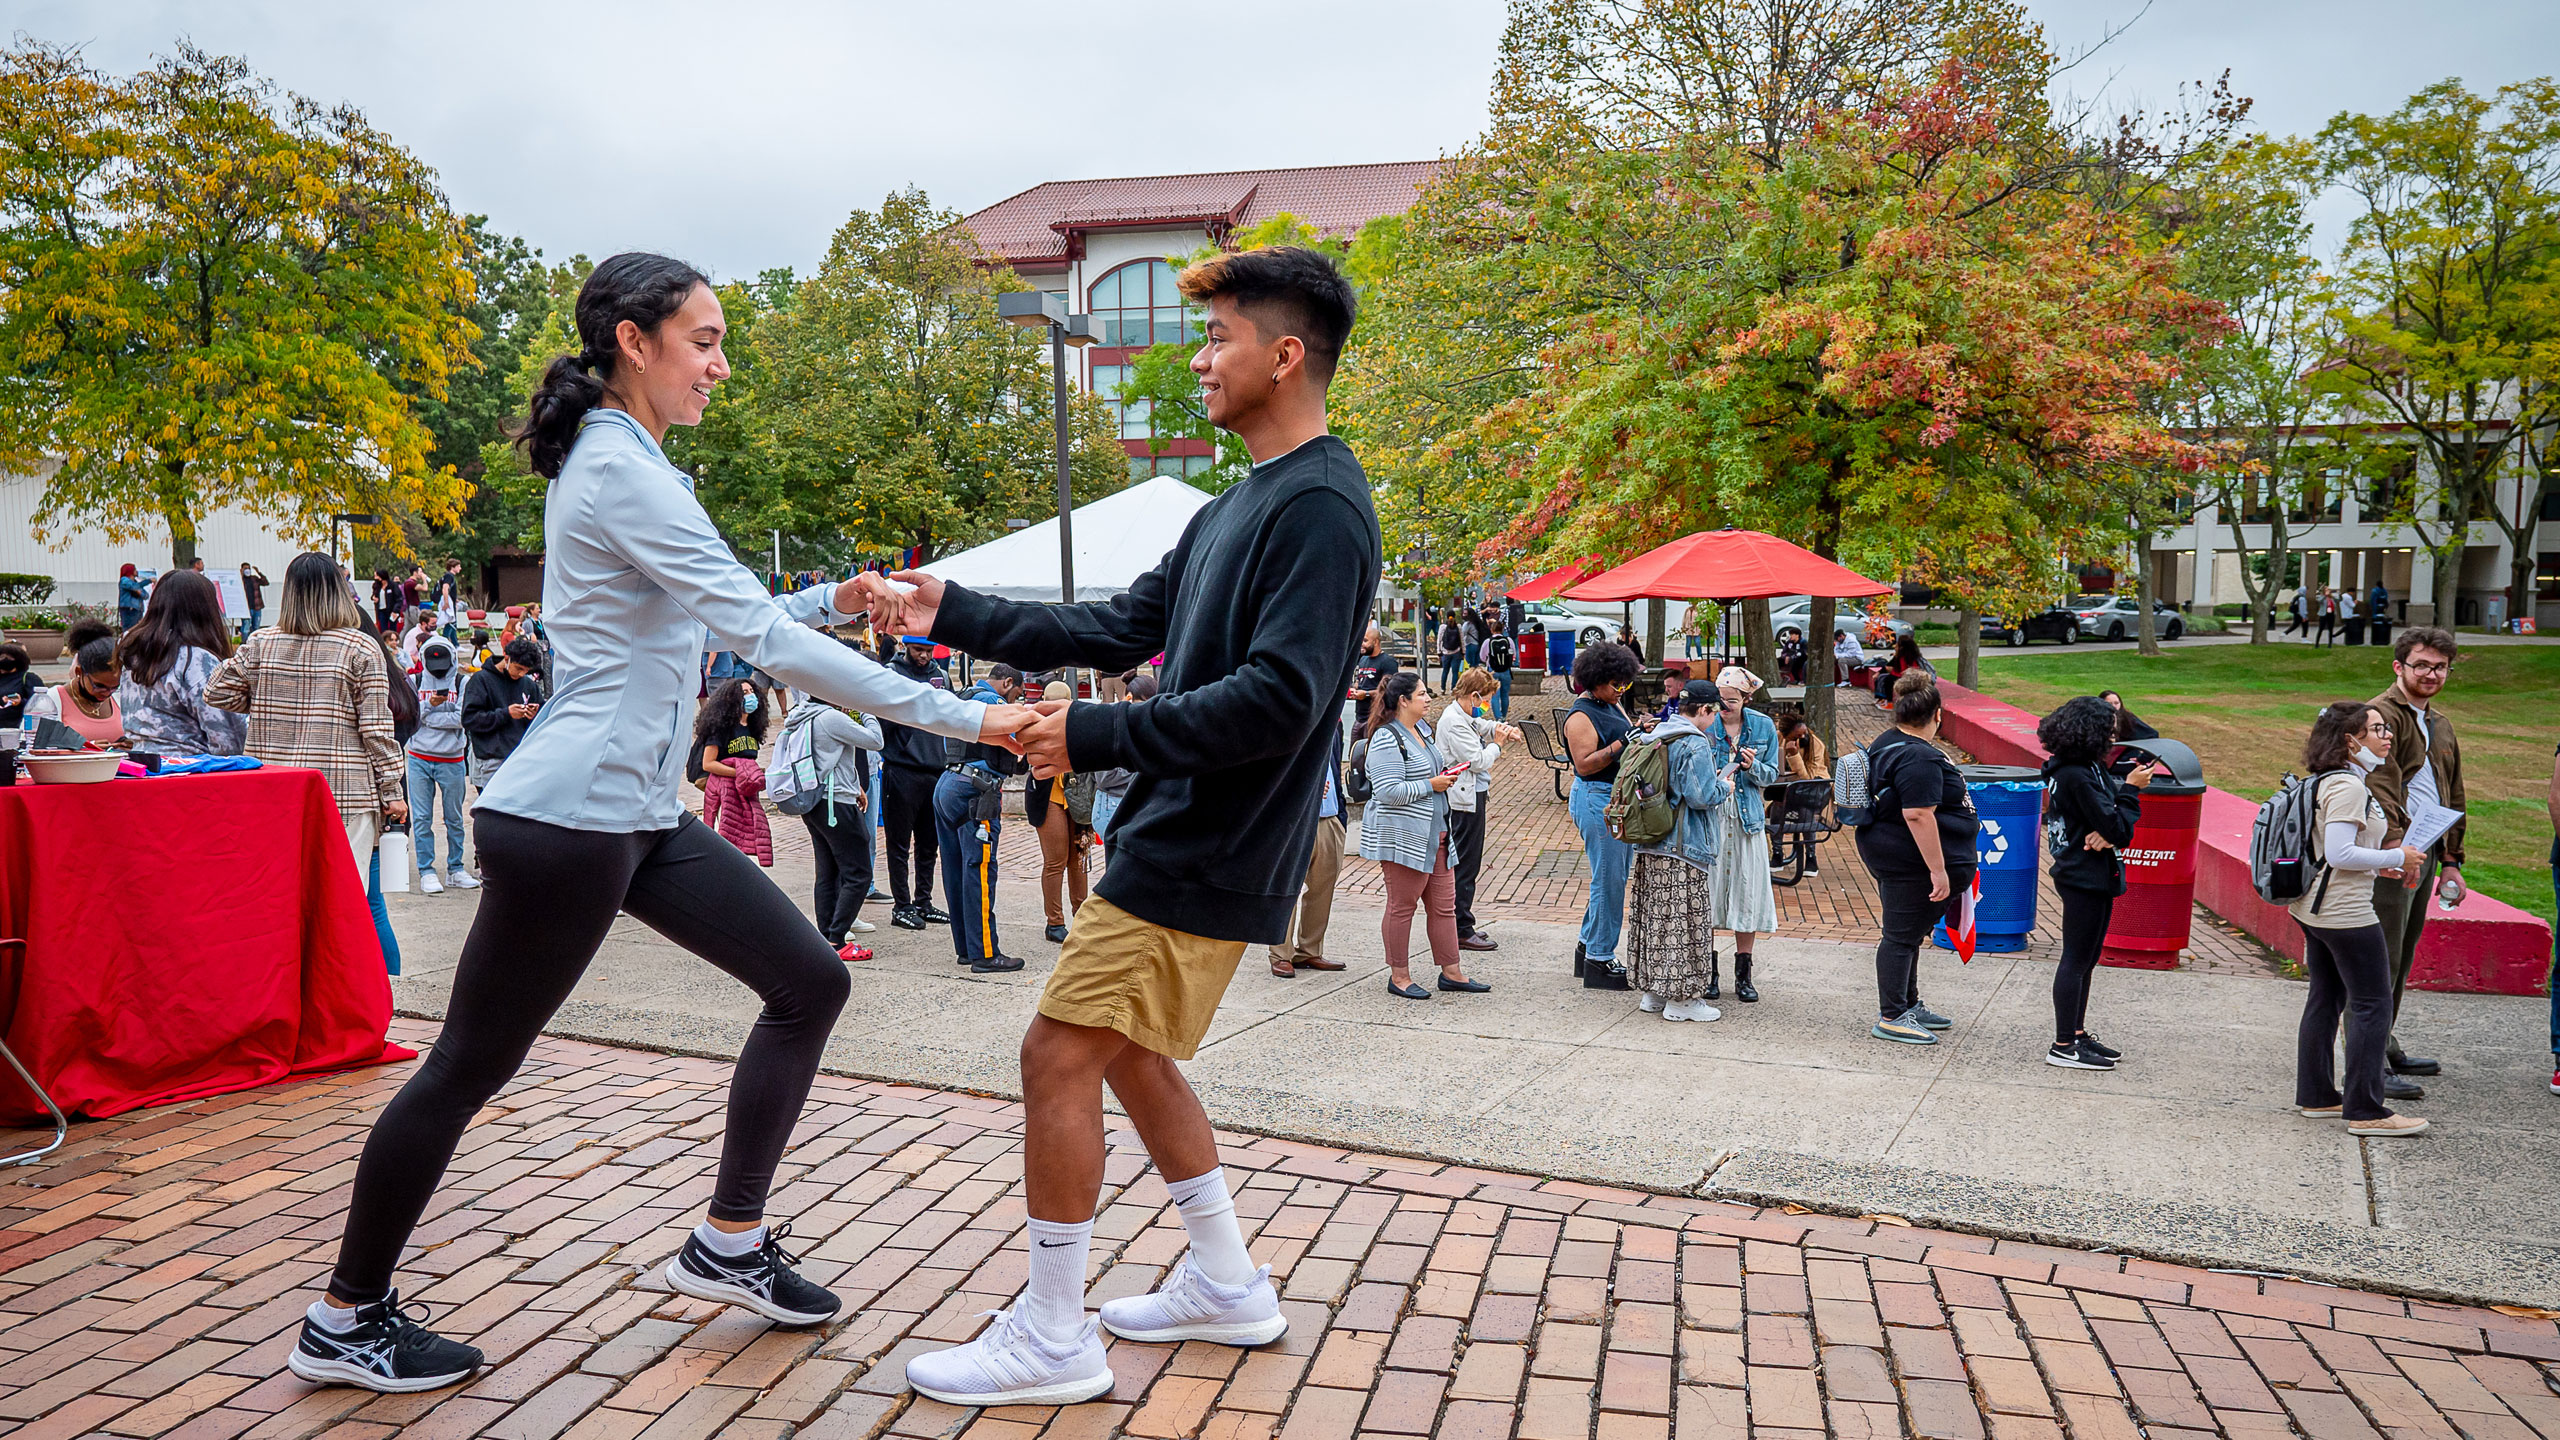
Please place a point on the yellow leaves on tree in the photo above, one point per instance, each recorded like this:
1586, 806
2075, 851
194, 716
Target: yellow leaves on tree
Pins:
213, 294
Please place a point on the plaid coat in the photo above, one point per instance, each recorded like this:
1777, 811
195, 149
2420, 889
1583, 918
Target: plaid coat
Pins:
321, 702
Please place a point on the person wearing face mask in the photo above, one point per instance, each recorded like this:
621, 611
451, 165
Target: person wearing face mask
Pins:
17, 685
1469, 734
728, 734
1744, 743
2342, 939
436, 767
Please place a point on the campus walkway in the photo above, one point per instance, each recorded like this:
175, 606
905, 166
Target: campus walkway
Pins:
153, 1274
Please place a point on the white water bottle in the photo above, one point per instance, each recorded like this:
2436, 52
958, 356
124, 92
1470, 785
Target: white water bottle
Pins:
396, 862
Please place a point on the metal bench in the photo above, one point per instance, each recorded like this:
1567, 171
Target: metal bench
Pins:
1534, 735
1799, 820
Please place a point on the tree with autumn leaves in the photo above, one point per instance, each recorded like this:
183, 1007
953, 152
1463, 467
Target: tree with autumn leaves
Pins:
213, 294
1896, 329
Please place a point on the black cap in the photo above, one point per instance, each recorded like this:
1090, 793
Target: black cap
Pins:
1702, 692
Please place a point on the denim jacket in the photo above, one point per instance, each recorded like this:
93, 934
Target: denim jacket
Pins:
1697, 788
1759, 736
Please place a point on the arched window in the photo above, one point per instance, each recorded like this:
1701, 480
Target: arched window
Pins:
1137, 306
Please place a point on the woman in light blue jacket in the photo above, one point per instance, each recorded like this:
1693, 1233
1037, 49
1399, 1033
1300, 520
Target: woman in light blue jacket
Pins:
1744, 742
587, 817
1405, 828
1671, 952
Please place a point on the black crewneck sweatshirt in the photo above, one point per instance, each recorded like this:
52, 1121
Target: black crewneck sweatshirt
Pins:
1258, 611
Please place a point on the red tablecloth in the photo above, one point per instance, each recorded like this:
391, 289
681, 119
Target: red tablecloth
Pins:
187, 936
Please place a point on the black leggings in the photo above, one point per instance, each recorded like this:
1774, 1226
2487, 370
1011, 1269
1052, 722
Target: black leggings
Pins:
1907, 914
843, 852
549, 897
2349, 971
2085, 914
906, 817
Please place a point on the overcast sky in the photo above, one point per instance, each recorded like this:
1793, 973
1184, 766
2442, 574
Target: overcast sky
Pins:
739, 135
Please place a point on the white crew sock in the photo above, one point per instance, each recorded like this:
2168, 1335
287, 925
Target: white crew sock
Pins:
1217, 1242
330, 1317
720, 1242
1054, 1300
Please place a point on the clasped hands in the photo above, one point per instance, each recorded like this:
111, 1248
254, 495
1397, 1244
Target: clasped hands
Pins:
906, 602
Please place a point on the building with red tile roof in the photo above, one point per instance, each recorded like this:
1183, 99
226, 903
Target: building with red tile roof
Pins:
1104, 245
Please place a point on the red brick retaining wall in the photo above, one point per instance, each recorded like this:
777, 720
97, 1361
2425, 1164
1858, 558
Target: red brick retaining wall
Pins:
2483, 946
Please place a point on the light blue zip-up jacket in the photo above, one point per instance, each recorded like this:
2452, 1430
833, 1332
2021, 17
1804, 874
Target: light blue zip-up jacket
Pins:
633, 576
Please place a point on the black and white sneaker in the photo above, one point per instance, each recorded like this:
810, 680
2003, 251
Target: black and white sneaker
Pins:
2079, 1055
762, 1280
386, 1350
906, 918
2103, 1048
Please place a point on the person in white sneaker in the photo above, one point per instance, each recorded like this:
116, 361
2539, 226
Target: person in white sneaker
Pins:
436, 766
1258, 613
1671, 954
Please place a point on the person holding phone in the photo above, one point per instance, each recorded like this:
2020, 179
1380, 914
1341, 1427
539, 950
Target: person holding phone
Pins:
1745, 742
1918, 844
499, 704
1406, 830
2089, 816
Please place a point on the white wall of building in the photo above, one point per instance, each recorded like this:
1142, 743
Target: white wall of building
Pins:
84, 562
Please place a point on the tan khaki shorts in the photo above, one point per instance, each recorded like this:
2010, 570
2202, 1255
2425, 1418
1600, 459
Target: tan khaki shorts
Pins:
1157, 986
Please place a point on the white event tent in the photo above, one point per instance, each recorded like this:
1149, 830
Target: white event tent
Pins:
1118, 538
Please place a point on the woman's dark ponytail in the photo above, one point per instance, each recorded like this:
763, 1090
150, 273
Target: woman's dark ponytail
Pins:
641, 288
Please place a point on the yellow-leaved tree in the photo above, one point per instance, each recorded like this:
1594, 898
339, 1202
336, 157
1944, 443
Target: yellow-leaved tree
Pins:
215, 294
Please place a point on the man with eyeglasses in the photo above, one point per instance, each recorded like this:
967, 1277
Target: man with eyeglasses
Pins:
2425, 769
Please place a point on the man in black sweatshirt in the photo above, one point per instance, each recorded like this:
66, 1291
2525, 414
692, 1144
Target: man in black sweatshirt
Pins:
910, 767
1258, 612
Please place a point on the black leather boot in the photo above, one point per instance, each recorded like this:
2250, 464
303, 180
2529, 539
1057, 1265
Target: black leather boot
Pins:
1742, 988
1715, 976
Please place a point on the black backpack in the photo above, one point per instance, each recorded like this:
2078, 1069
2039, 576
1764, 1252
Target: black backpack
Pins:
1356, 786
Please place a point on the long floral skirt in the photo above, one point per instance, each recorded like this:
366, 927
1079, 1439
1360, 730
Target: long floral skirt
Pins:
1670, 928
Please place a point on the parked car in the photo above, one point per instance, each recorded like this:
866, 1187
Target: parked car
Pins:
2057, 623
2117, 617
1795, 613
1588, 628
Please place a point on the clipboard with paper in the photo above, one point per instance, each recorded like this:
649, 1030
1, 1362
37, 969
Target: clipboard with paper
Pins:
2428, 824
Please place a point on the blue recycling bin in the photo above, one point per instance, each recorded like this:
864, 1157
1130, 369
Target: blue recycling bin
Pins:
1559, 654
2010, 800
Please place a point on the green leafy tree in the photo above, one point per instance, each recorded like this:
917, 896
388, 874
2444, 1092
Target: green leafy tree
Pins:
214, 294
888, 406
2448, 302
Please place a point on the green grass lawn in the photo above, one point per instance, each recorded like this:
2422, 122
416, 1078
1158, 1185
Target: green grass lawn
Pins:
2246, 708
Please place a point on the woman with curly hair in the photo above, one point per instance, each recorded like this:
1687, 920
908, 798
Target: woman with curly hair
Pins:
1595, 735
728, 733
2088, 816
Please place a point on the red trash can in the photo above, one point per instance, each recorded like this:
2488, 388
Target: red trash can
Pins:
1533, 651
2154, 914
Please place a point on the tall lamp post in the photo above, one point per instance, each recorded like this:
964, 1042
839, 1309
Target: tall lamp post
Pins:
1036, 310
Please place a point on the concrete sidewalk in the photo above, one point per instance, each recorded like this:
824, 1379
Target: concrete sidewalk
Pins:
2190, 1152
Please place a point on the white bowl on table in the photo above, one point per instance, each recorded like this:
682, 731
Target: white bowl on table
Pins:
88, 768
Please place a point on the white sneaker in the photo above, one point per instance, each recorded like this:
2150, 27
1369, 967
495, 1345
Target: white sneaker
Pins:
1649, 1003
1691, 1010
1191, 1306
861, 927
428, 882
462, 879
1009, 1365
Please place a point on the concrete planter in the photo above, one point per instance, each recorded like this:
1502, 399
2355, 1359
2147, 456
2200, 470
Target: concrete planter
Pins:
41, 645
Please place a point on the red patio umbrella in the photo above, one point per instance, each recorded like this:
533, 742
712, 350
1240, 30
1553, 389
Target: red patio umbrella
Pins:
1723, 565
1553, 581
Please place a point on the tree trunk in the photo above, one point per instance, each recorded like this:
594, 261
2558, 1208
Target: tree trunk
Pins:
1969, 647
1653, 628
1759, 639
2449, 577
2146, 625
1818, 694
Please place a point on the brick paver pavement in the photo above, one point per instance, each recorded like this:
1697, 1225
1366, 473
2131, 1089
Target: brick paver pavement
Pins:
152, 1276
